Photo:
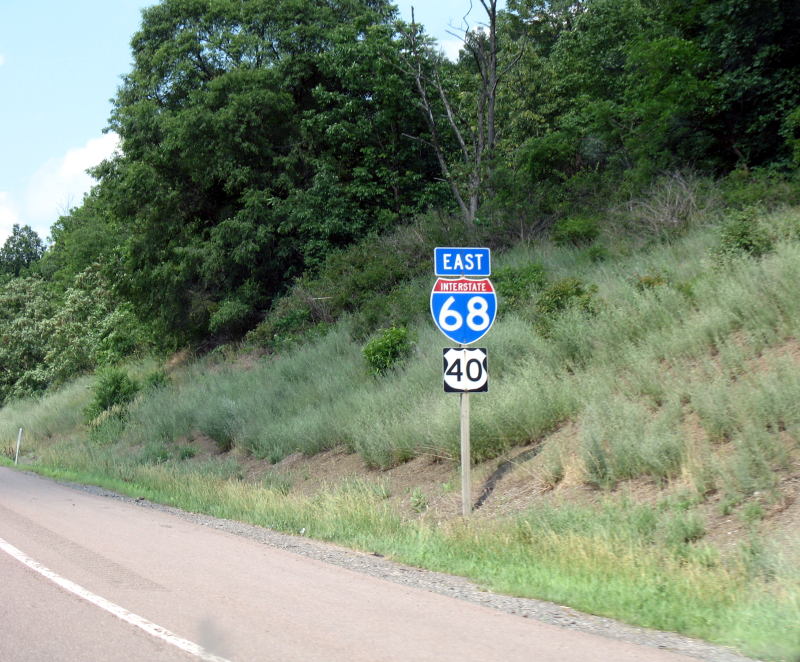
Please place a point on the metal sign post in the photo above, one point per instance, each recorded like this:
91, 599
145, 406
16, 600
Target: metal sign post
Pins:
466, 464
464, 306
465, 371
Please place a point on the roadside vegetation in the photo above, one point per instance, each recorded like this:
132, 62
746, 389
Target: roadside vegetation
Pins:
242, 300
672, 361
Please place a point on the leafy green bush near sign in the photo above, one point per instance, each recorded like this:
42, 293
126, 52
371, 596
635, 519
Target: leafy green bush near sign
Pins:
387, 349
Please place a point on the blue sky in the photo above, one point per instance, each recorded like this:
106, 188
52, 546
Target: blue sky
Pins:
60, 65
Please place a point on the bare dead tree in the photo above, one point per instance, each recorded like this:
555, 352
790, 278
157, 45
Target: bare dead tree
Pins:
474, 134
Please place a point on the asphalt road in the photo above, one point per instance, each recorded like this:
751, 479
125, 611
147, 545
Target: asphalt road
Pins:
228, 596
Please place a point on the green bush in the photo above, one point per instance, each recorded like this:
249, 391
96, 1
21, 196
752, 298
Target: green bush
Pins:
187, 452
568, 293
372, 282
399, 307
575, 231
596, 253
514, 284
759, 186
386, 349
683, 528
644, 282
113, 388
743, 235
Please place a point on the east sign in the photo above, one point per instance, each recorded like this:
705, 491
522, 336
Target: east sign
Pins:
459, 262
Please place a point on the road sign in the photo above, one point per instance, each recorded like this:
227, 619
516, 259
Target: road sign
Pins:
462, 262
463, 309
465, 370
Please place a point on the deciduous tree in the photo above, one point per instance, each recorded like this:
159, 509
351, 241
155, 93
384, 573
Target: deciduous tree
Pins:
22, 249
257, 135
459, 106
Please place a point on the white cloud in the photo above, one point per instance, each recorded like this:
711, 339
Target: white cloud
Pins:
61, 183
2, 59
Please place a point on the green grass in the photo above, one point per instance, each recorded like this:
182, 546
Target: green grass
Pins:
321, 395
61, 415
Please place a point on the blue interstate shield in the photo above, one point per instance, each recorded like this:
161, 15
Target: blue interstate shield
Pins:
464, 309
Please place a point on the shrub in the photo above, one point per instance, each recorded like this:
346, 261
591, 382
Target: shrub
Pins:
683, 528
399, 307
669, 205
566, 293
575, 231
113, 388
743, 235
596, 253
187, 452
514, 284
419, 501
386, 349
644, 282
759, 186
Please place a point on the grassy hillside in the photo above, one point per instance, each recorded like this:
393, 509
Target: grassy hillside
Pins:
652, 376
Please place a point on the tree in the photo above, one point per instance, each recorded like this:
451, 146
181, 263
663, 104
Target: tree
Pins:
473, 135
49, 337
22, 249
26, 304
83, 237
753, 54
636, 87
257, 136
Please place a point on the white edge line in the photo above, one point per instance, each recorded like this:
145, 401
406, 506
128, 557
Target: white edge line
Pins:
120, 612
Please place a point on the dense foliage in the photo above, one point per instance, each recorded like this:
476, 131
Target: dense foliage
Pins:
624, 89
256, 137
260, 138
49, 337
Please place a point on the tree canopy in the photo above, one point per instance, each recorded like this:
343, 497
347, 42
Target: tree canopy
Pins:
21, 250
257, 136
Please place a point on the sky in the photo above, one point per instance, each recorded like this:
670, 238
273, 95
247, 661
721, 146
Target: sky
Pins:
60, 65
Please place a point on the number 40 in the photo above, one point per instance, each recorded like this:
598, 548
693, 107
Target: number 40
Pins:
473, 370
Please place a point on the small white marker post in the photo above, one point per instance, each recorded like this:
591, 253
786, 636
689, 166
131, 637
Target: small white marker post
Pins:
19, 439
466, 473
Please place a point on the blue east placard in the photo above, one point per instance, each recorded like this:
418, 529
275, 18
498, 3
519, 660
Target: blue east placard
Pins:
451, 261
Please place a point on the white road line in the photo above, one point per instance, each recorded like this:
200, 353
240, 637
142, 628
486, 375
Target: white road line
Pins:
120, 612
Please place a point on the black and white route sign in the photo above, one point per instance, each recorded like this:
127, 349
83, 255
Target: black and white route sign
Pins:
465, 370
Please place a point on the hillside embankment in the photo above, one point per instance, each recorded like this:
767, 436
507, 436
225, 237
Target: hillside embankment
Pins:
636, 455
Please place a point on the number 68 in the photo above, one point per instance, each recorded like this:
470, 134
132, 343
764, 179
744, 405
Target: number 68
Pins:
477, 315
